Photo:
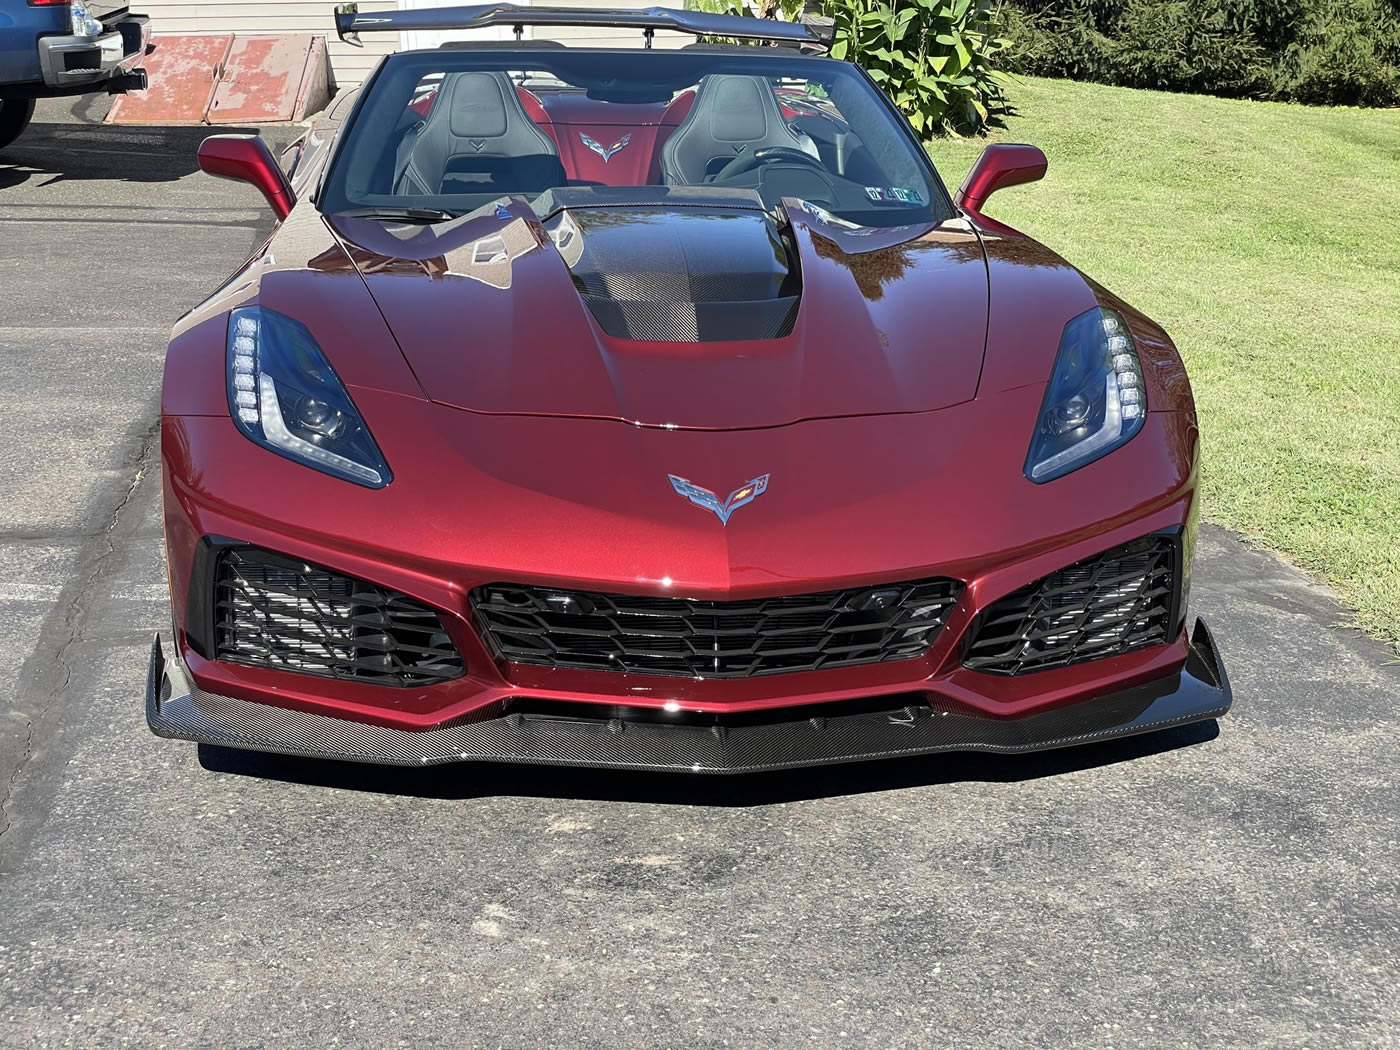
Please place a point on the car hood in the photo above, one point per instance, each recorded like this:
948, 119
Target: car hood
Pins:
714, 316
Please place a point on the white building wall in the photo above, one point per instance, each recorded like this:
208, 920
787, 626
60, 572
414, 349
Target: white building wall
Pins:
351, 64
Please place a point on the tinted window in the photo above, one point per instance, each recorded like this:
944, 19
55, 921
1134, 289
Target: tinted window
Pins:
454, 129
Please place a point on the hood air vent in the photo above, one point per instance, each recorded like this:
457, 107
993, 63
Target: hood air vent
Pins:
680, 276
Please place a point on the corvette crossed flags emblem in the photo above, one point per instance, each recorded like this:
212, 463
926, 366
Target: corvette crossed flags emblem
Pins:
606, 152
722, 509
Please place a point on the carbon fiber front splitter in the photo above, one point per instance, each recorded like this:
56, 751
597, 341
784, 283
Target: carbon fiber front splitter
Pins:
787, 738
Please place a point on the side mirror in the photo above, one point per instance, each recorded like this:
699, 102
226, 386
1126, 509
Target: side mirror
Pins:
999, 166
247, 158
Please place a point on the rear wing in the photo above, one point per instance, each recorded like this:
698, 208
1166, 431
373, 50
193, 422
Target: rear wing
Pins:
350, 23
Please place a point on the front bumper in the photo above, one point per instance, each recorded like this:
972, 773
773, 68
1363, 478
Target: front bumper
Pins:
75, 62
752, 742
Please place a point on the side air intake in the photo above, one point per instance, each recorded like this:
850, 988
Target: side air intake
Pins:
277, 612
1112, 603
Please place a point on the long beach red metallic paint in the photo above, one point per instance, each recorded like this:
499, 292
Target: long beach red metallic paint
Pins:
877, 418
247, 159
529, 502
530, 447
550, 357
1001, 165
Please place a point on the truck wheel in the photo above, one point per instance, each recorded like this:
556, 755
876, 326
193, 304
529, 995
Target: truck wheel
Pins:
14, 118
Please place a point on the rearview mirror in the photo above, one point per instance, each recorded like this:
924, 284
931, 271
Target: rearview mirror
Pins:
999, 166
247, 158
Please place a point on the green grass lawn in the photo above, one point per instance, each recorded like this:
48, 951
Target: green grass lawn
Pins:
1266, 239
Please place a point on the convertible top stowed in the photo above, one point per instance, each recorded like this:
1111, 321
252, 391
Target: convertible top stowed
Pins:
661, 409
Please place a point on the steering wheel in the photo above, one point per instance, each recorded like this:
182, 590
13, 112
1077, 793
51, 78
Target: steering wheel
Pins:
766, 155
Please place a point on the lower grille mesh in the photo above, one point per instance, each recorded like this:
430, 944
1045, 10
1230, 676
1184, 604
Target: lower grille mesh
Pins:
271, 611
706, 639
1109, 604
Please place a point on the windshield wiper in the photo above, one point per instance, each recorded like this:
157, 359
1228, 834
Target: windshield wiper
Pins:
418, 215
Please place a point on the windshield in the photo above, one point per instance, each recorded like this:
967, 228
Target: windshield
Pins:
441, 133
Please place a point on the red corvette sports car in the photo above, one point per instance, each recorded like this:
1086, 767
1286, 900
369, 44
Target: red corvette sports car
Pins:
661, 409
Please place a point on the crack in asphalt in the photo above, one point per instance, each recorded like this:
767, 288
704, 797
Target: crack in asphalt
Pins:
55, 672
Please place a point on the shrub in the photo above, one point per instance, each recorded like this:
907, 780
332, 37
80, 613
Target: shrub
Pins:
1186, 45
1337, 51
939, 60
1348, 51
1052, 43
1273, 23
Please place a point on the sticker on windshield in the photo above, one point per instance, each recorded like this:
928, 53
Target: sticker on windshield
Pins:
894, 195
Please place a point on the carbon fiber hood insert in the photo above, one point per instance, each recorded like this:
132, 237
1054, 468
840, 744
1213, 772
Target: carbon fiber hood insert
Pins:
680, 275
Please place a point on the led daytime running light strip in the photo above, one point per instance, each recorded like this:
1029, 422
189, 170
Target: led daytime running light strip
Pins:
257, 404
245, 369
1125, 367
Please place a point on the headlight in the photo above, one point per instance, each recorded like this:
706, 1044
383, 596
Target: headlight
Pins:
1095, 401
284, 395
84, 24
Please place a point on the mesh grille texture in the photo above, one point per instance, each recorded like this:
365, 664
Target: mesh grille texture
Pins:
706, 639
271, 611
1109, 604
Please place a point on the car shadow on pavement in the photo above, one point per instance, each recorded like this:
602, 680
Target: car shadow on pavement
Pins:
479, 780
49, 153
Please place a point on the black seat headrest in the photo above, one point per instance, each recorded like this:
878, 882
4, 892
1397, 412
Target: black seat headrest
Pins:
732, 114
479, 133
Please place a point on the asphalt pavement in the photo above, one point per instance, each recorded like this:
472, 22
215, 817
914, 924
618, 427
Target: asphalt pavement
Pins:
1230, 886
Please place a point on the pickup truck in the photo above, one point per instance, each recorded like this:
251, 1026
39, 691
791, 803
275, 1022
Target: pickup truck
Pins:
66, 47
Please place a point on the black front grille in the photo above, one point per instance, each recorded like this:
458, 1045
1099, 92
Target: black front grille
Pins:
271, 611
1112, 603
581, 630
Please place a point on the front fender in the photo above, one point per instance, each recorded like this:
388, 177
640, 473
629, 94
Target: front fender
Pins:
303, 272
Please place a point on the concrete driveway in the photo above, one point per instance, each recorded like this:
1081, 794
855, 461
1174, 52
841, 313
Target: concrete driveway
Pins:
1200, 888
